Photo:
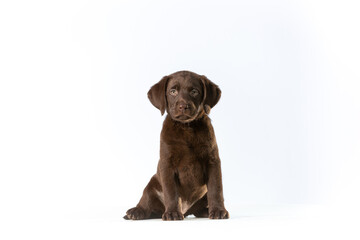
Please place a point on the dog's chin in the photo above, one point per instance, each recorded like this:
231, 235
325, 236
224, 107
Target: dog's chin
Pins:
183, 118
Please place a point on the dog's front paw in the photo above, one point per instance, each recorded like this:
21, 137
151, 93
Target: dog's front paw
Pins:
218, 213
135, 213
172, 215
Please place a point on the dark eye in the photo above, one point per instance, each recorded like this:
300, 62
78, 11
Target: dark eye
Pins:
173, 92
194, 92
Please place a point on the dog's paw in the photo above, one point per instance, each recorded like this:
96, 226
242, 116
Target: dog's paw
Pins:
218, 213
135, 213
172, 215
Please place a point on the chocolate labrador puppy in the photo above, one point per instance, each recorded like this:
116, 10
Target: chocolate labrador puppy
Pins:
188, 179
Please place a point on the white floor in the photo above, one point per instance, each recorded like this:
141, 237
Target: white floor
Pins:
247, 222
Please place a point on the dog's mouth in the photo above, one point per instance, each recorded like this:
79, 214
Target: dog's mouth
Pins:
184, 115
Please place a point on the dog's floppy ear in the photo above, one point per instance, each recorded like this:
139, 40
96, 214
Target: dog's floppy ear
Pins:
157, 94
212, 93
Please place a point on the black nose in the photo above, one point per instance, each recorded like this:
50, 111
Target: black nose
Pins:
183, 106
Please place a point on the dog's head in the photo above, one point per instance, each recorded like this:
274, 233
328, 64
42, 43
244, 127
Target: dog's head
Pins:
184, 95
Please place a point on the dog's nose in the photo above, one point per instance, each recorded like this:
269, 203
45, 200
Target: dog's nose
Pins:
183, 106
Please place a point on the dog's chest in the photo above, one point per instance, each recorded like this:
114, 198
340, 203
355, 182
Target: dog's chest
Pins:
191, 178
192, 163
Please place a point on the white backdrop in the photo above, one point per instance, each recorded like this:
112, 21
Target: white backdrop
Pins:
77, 131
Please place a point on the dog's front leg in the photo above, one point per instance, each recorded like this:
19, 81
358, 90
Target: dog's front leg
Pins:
215, 191
170, 190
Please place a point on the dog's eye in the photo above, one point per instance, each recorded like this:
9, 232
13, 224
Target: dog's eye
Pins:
194, 92
173, 92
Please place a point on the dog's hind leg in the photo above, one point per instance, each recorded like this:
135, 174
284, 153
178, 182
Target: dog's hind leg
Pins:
151, 203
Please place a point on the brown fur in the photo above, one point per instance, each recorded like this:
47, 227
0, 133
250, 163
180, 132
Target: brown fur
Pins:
188, 179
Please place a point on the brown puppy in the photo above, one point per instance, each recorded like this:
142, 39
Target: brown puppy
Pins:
188, 179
